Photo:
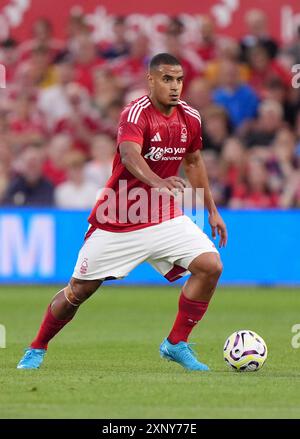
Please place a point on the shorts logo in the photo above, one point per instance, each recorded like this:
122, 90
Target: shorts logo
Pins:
84, 266
158, 153
183, 137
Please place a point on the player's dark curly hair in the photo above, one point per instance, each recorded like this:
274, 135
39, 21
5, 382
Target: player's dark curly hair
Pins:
163, 58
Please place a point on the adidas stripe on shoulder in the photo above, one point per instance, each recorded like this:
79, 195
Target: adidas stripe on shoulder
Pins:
190, 110
136, 109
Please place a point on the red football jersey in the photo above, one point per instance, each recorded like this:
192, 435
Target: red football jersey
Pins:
127, 203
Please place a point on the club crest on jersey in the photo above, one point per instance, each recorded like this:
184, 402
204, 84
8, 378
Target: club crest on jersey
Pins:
183, 137
157, 153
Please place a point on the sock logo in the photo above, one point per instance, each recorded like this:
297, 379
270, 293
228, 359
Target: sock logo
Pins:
193, 321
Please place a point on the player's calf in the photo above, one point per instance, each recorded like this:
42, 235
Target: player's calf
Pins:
60, 312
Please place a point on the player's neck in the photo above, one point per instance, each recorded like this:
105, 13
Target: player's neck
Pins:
167, 110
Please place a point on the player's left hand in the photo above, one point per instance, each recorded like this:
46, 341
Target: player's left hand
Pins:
218, 226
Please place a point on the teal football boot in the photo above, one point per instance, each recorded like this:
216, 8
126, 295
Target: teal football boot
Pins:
32, 358
182, 354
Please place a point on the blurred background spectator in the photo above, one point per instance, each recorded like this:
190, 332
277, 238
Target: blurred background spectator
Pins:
238, 99
98, 169
60, 110
77, 192
29, 187
257, 33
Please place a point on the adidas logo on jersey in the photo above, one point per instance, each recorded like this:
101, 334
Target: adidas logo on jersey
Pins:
156, 138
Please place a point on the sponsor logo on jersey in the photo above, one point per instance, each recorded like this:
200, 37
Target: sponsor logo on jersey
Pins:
157, 153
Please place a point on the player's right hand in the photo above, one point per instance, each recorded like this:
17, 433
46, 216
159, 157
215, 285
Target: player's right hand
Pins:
171, 185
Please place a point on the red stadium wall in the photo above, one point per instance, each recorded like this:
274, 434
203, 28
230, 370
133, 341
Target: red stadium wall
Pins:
16, 16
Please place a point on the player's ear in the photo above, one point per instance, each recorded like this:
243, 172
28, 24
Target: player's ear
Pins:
150, 78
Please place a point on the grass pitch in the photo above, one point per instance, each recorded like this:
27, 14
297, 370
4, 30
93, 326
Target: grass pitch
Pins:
105, 364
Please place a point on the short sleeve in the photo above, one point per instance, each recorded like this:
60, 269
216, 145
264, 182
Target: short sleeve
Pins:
130, 131
197, 136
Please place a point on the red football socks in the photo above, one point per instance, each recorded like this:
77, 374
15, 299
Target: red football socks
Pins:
189, 314
50, 326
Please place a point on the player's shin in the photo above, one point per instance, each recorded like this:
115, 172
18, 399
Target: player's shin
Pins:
190, 312
58, 314
194, 299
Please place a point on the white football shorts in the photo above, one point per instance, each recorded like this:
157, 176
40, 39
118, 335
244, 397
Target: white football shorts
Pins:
169, 247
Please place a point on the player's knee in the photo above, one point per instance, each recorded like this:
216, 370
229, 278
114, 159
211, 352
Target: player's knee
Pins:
218, 268
215, 267
209, 264
82, 290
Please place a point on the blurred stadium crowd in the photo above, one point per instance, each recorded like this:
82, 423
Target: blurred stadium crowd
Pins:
59, 111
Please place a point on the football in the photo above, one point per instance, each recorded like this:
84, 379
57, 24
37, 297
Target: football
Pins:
245, 351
